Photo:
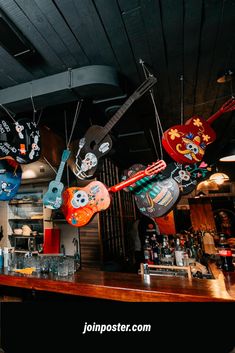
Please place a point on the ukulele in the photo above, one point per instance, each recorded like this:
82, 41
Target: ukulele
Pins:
53, 197
187, 143
97, 143
81, 204
20, 141
154, 196
10, 179
187, 176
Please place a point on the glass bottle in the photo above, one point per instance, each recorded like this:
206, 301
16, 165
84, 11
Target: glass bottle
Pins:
225, 254
147, 251
179, 253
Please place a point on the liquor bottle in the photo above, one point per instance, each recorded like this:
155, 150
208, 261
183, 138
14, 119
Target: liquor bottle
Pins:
156, 252
179, 253
166, 255
225, 254
147, 251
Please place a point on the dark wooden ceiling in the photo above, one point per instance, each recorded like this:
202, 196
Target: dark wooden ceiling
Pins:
193, 39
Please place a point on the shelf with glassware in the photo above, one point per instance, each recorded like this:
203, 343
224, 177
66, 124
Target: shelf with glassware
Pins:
26, 220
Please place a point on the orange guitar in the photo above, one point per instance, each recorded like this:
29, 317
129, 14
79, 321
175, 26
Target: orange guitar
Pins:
81, 204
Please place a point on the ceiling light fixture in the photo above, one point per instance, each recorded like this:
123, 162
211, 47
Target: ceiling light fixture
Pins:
228, 154
225, 77
219, 178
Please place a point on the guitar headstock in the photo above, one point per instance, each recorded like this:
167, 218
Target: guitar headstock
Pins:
145, 86
155, 168
65, 155
228, 106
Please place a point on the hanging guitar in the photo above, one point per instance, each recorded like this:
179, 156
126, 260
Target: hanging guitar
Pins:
53, 197
187, 143
10, 179
97, 143
187, 176
154, 197
20, 141
81, 204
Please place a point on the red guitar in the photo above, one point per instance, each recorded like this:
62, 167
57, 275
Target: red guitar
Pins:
81, 204
187, 143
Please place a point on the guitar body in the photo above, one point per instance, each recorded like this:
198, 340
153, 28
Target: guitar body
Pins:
81, 204
52, 198
20, 141
10, 179
85, 165
154, 197
187, 176
186, 144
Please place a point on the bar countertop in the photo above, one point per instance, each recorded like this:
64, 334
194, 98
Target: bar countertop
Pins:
127, 287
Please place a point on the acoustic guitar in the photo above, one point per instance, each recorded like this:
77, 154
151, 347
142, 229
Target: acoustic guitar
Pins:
81, 204
187, 176
10, 179
20, 141
154, 196
97, 143
187, 143
53, 197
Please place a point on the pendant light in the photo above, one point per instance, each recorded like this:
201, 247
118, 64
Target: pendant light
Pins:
228, 154
219, 178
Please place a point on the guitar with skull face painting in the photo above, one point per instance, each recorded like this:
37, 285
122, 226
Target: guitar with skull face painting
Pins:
96, 143
187, 176
20, 141
81, 204
187, 143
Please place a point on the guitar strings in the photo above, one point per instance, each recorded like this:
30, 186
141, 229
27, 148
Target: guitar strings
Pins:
158, 122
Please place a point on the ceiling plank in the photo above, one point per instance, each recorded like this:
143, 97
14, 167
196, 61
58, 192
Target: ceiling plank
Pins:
87, 27
46, 30
192, 29
14, 70
112, 20
209, 32
51, 63
70, 42
172, 20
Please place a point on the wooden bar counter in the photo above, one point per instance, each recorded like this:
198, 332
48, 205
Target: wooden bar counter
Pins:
126, 287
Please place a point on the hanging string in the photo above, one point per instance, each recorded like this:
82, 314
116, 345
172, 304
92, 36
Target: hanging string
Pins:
181, 99
66, 141
39, 118
78, 109
50, 165
31, 97
231, 88
8, 112
158, 122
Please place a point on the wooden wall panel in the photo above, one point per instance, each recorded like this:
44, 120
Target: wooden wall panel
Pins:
201, 214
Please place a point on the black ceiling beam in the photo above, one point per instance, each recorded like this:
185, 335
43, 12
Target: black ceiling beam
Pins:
94, 81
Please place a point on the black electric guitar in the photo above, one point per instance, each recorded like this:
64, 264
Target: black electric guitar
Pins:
20, 141
53, 197
154, 196
97, 143
187, 176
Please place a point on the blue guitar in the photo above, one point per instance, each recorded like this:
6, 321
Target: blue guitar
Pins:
53, 197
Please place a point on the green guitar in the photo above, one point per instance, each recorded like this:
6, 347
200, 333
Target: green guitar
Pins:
53, 197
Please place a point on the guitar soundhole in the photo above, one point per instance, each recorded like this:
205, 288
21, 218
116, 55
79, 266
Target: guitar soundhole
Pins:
92, 145
54, 190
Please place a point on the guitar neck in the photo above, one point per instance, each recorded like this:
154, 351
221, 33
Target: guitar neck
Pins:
141, 90
213, 117
124, 184
60, 172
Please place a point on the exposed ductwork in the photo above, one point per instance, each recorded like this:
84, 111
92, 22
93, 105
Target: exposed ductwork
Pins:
95, 81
